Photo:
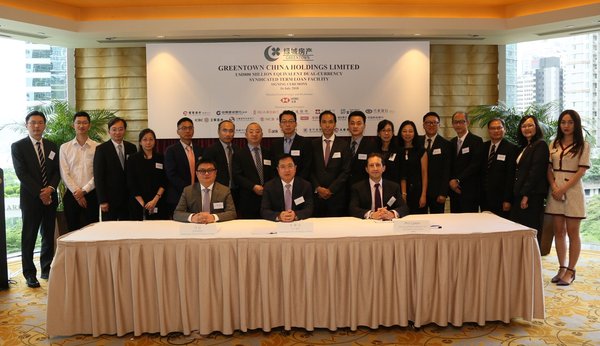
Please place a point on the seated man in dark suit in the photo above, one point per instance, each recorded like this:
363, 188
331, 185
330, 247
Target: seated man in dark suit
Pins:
206, 201
377, 198
289, 198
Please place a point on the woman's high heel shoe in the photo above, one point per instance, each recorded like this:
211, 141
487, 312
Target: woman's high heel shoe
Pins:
562, 282
557, 277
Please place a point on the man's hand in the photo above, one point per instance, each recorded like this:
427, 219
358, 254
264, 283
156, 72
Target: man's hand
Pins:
287, 216
324, 193
203, 217
258, 189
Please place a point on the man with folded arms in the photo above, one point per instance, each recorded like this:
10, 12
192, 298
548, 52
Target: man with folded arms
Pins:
289, 198
206, 201
377, 198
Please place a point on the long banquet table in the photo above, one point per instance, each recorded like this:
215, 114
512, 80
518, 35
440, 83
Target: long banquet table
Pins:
122, 277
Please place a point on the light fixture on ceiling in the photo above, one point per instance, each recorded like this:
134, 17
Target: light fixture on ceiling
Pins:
160, 36
290, 35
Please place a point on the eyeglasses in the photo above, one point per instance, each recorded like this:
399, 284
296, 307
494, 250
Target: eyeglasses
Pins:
290, 166
431, 123
495, 128
186, 128
206, 171
287, 121
33, 123
459, 122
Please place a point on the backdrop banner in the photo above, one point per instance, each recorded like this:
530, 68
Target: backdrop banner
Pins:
255, 81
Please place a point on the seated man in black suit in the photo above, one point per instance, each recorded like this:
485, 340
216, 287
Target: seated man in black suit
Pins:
206, 201
377, 198
289, 198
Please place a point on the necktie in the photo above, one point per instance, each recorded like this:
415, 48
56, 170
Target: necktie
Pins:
378, 203
288, 197
229, 155
458, 145
428, 144
206, 200
353, 148
189, 152
121, 155
42, 163
259, 164
287, 145
327, 150
491, 157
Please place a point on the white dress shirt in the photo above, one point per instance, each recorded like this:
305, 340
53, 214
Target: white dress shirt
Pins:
77, 165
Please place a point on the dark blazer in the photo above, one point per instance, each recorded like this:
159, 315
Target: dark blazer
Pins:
466, 167
273, 200
359, 161
301, 152
246, 176
27, 169
498, 179
110, 178
361, 199
216, 153
530, 174
191, 202
177, 170
439, 159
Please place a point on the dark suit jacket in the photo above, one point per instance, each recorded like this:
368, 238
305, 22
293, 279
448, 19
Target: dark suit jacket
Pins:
216, 153
497, 181
466, 167
361, 199
246, 176
530, 175
439, 159
177, 170
191, 202
273, 201
335, 175
300, 146
27, 168
110, 178
359, 161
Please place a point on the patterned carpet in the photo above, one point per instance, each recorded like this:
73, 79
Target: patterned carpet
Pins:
572, 318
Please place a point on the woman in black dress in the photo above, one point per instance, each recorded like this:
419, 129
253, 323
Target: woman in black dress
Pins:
413, 159
387, 145
531, 183
147, 180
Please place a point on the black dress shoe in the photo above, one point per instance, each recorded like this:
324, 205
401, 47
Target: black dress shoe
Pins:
32, 282
44, 276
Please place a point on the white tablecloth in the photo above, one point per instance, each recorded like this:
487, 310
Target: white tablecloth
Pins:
121, 277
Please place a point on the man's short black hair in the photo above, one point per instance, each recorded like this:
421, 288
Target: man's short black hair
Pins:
357, 114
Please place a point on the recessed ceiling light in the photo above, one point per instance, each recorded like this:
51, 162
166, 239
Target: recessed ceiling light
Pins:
160, 36
569, 26
290, 35
416, 34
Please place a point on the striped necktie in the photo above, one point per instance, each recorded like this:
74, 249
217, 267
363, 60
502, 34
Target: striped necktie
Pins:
42, 160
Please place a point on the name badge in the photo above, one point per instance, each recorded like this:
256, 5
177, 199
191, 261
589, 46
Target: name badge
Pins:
392, 157
51, 155
295, 152
336, 155
362, 156
218, 205
436, 151
158, 165
267, 162
299, 200
465, 150
391, 201
501, 157
198, 229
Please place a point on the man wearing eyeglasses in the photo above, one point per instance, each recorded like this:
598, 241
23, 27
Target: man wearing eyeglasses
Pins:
77, 171
289, 198
293, 144
206, 201
498, 166
438, 168
180, 162
465, 174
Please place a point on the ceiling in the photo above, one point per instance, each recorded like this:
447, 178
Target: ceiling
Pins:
115, 23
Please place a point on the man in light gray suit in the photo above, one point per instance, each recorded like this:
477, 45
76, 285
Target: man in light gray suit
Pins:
205, 201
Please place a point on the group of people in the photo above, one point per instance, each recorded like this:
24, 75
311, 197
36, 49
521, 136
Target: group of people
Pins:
297, 177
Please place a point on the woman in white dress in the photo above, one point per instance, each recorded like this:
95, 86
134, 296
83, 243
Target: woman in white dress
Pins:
569, 160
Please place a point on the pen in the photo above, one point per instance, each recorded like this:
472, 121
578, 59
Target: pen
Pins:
436, 226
